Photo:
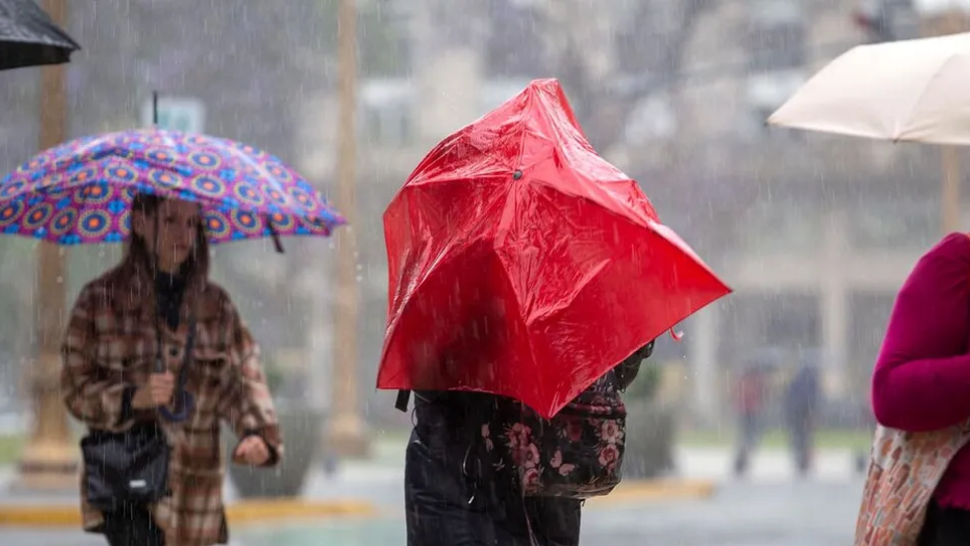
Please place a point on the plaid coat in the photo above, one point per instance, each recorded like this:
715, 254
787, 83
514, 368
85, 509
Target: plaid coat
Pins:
110, 344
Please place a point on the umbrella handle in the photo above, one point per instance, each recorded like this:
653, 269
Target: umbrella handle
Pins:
155, 109
275, 234
188, 401
185, 409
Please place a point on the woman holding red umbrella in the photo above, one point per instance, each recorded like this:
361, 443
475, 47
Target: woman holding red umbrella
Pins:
523, 265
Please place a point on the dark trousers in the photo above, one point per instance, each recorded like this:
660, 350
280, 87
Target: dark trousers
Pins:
945, 527
801, 430
132, 525
448, 506
749, 438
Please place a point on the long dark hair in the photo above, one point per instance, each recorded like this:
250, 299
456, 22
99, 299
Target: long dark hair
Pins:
196, 266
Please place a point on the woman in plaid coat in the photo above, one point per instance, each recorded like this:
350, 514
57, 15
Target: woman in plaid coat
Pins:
107, 380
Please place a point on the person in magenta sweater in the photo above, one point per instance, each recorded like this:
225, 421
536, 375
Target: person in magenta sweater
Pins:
921, 380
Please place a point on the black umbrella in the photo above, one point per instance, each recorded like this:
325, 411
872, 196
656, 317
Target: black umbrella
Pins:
28, 37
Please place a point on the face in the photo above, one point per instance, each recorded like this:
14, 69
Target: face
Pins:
178, 224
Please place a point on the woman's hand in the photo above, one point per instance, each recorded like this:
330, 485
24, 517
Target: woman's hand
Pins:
158, 392
252, 450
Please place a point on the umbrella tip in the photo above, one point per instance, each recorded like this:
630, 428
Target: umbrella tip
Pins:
155, 109
517, 174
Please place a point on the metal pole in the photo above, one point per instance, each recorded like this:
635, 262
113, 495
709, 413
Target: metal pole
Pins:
50, 458
950, 192
347, 435
952, 22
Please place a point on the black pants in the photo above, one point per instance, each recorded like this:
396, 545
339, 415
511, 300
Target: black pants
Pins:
751, 429
451, 499
446, 508
132, 525
945, 527
801, 435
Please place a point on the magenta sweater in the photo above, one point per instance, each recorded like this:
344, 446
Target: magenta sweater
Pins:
922, 377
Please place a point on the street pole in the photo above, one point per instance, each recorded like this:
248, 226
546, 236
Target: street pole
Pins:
347, 434
952, 21
950, 193
50, 458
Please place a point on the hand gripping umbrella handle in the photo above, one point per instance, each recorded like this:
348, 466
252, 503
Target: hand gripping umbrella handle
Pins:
185, 404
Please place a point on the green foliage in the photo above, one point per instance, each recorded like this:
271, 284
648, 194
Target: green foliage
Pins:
275, 375
646, 384
11, 447
382, 40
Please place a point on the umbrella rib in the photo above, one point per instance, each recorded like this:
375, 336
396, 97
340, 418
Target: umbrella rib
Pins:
897, 133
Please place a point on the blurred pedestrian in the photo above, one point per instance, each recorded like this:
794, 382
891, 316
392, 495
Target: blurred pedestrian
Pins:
801, 413
750, 400
158, 307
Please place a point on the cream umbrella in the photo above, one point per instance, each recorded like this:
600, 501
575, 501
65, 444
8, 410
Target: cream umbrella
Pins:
910, 90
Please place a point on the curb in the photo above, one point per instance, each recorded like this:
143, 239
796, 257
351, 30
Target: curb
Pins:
238, 513
655, 490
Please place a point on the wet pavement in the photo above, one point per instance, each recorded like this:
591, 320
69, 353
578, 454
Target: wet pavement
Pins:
741, 514
770, 508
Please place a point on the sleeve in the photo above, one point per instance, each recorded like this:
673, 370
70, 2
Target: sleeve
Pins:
921, 381
247, 404
627, 370
93, 394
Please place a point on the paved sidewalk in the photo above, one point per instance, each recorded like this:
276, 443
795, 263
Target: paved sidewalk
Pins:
805, 513
382, 481
767, 466
769, 485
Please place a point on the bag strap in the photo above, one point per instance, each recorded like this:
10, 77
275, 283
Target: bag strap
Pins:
186, 400
403, 397
187, 357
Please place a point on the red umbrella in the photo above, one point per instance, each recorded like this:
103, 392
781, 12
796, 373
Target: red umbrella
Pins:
522, 264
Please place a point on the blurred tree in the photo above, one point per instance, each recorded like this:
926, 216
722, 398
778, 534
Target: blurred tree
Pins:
382, 37
607, 74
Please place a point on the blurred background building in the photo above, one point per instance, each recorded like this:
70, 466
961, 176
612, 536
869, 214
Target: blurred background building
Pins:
815, 233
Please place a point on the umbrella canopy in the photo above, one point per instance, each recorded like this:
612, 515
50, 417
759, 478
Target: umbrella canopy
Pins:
28, 37
81, 191
911, 90
523, 264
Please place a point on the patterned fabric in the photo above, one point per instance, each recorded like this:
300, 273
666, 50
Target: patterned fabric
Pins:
905, 470
81, 191
110, 344
28, 37
576, 454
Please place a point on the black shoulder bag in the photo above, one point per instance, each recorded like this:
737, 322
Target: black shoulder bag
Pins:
131, 467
